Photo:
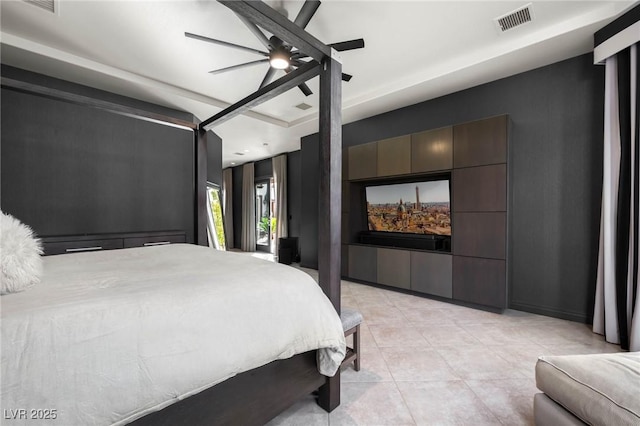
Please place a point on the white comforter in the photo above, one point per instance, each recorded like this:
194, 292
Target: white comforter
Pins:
107, 337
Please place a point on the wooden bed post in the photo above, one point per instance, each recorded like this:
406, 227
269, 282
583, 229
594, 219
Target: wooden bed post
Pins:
329, 217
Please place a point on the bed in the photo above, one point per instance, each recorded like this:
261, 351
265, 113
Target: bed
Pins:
132, 335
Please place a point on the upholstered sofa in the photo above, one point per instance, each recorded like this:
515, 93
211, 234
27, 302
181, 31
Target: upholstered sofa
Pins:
598, 389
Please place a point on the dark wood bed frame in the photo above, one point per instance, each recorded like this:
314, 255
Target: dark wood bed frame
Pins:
257, 396
250, 398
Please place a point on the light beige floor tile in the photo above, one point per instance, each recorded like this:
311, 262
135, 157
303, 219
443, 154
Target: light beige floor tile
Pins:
581, 348
373, 368
426, 316
545, 334
371, 404
447, 335
523, 357
497, 334
511, 400
478, 363
463, 315
382, 315
445, 403
417, 364
408, 301
391, 336
305, 412
400, 384
367, 342
347, 301
375, 299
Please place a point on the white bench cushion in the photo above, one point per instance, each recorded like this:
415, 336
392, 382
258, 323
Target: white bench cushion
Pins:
599, 389
350, 318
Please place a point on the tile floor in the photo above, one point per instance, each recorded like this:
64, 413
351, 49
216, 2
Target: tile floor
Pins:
426, 362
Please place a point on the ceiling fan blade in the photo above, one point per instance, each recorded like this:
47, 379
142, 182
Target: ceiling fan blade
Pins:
305, 89
225, 43
309, 8
268, 77
346, 77
235, 67
348, 45
256, 31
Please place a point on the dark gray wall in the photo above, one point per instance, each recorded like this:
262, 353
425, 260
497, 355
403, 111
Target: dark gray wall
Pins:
309, 162
263, 169
214, 158
555, 166
237, 206
294, 194
70, 169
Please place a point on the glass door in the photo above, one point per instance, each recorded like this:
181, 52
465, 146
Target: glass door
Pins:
215, 225
263, 216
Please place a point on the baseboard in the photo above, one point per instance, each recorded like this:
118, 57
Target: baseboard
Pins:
551, 312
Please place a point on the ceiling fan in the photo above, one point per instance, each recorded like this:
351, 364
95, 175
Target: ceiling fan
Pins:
279, 54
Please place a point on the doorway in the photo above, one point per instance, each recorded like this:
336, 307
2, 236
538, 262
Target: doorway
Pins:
215, 223
264, 215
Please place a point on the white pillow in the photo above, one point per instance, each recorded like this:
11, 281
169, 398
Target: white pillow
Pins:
20, 252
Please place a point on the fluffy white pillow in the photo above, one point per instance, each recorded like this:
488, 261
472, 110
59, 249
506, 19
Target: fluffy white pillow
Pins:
20, 252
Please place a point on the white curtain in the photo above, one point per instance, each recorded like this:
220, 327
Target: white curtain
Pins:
227, 206
248, 242
280, 180
617, 304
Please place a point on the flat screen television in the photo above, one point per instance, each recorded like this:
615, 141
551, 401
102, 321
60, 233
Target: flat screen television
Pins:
419, 208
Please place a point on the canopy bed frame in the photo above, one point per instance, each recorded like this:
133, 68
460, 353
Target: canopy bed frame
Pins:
256, 396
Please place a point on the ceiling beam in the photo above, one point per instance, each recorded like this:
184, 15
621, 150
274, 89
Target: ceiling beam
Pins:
73, 98
265, 17
270, 91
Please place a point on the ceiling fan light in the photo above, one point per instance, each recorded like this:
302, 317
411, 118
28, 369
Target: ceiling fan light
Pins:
279, 59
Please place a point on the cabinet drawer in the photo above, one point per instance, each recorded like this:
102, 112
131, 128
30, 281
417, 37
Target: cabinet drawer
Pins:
155, 240
61, 247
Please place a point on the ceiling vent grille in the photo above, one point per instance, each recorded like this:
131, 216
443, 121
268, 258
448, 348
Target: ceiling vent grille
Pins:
303, 106
514, 19
48, 5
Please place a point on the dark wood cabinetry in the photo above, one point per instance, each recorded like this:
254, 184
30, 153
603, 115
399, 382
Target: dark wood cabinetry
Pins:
432, 150
363, 161
475, 154
83, 243
481, 142
394, 156
431, 273
394, 267
480, 189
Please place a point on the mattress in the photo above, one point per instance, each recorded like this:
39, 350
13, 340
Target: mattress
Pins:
108, 337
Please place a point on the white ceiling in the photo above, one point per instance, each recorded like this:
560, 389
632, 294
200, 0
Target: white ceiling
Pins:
415, 51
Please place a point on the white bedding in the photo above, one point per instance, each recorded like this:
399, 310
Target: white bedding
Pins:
107, 337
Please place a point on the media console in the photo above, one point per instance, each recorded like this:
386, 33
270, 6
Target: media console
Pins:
408, 241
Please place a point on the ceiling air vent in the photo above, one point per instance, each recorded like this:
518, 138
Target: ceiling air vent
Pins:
48, 5
514, 19
303, 106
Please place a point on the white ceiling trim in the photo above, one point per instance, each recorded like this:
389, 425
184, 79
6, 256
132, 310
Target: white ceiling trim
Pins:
466, 62
617, 43
59, 55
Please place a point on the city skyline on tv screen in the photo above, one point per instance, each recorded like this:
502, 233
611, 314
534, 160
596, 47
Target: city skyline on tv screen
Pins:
416, 207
